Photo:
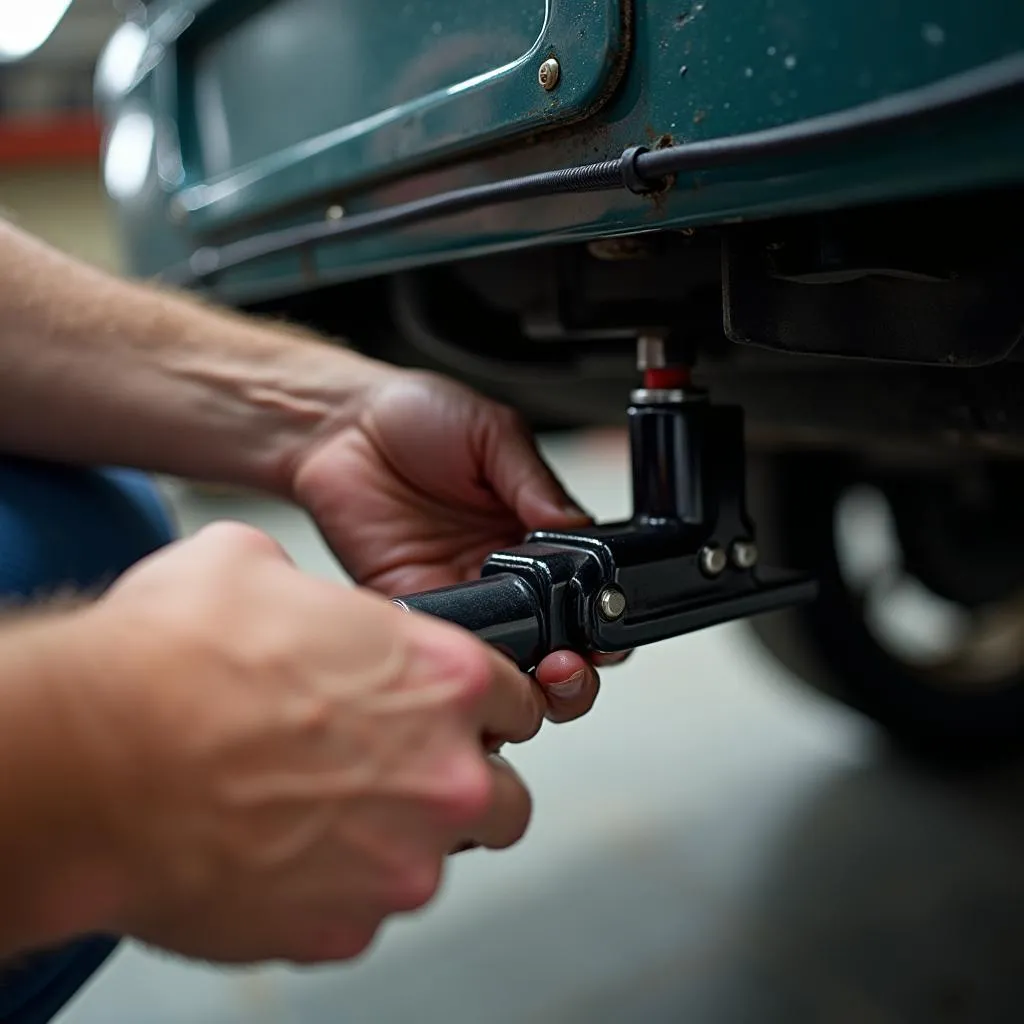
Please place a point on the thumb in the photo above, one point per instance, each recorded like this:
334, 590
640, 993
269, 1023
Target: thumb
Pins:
520, 477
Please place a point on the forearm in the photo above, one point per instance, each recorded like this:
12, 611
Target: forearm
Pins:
55, 879
94, 369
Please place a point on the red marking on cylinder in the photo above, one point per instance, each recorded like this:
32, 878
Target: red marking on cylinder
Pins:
668, 378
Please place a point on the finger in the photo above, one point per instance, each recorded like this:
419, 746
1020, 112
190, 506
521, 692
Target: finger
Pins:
508, 816
227, 539
607, 660
569, 684
519, 475
513, 708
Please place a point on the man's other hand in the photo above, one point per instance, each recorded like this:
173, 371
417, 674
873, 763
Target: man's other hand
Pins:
278, 764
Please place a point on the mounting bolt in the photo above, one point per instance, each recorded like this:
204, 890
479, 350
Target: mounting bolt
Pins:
549, 73
334, 212
611, 604
712, 560
744, 554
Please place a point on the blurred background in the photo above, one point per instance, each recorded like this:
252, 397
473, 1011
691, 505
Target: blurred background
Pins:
715, 844
49, 137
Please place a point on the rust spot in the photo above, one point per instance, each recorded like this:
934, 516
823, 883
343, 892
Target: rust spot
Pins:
658, 140
658, 198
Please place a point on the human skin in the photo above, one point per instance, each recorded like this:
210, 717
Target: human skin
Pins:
221, 755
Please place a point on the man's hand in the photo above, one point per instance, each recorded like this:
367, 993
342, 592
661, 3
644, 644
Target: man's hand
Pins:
413, 479
423, 483
279, 764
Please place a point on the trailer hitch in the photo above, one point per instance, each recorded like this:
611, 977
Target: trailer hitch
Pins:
685, 560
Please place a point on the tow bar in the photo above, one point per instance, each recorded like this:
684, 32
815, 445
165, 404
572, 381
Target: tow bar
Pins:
687, 559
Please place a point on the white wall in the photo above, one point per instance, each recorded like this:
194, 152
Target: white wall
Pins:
65, 206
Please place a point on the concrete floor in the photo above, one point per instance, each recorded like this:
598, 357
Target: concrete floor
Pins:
713, 844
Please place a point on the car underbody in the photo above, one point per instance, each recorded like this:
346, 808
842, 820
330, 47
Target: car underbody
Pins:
873, 351
819, 206
890, 330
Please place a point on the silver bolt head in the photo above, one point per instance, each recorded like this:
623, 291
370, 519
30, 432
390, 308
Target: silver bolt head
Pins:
713, 560
549, 73
335, 212
611, 604
744, 554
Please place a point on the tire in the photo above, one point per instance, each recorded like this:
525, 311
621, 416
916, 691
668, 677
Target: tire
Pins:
947, 704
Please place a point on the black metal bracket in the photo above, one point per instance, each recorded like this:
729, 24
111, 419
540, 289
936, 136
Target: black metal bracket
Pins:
685, 560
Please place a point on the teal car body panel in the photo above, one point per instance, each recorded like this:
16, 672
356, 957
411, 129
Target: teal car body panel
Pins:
631, 73
358, 91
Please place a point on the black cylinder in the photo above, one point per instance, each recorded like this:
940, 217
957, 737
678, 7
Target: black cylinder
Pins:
501, 609
665, 453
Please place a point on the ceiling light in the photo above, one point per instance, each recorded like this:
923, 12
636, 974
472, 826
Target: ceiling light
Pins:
120, 61
25, 26
129, 155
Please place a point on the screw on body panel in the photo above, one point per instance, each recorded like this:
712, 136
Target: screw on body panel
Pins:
549, 73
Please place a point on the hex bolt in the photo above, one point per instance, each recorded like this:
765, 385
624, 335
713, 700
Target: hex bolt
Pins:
744, 554
712, 560
549, 73
611, 604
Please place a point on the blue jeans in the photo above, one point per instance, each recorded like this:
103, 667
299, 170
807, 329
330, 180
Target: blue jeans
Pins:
60, 528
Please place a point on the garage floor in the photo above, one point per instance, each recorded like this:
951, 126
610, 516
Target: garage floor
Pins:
712, 845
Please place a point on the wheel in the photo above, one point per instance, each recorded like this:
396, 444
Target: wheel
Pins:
920, 619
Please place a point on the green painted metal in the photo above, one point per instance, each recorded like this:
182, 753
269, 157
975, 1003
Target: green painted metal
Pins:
696, 70
280, 101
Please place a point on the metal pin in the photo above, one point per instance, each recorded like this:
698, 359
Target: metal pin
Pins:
611, 604
712, 560
744, 554
650, 352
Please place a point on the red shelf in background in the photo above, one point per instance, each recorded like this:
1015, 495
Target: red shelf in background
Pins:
53, 139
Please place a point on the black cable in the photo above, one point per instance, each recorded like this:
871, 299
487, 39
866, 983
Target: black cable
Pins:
901, 110
638, 170
603, 176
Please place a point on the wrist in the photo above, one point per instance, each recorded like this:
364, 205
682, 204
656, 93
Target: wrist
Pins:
60, 876
290, 390
320, 389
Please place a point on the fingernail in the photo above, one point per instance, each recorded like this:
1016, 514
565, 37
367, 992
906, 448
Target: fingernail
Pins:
571, 688
575, 512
